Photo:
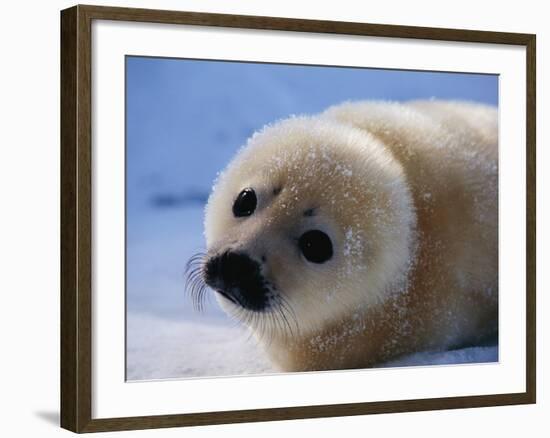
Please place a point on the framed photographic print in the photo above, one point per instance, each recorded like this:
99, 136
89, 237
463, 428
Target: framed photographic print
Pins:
303, 218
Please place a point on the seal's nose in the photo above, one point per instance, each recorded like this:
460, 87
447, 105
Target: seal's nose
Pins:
238, 278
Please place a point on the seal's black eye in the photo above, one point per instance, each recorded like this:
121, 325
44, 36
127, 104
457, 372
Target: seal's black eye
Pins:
316, 246
245, 204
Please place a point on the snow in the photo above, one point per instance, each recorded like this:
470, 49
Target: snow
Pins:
185, 120
162, 349
452, 357
206, 347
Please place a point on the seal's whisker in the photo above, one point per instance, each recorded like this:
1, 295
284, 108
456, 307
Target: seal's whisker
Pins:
289, 315
281, 312
195, 285
277, 323
278, 318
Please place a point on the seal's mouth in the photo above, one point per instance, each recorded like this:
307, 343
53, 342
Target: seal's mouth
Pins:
256, 301
227, 296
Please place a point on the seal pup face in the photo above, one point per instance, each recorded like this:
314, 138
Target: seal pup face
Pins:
312, 221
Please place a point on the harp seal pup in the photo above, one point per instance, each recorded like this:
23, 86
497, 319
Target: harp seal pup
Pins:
369, 231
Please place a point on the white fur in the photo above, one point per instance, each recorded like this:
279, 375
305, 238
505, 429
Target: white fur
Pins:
371, 170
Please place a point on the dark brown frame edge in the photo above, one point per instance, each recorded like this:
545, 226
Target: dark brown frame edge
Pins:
76, 168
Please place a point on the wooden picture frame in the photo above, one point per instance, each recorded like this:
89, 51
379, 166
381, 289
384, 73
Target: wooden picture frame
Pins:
76, 217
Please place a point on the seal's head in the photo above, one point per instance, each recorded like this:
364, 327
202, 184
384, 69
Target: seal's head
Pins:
310, 222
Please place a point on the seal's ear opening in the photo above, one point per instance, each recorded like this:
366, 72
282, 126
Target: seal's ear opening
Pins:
316, 246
